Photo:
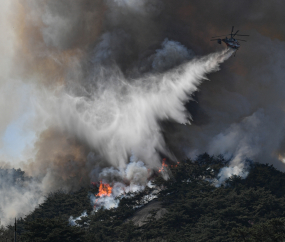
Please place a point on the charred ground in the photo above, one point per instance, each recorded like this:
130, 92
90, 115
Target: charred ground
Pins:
188, 208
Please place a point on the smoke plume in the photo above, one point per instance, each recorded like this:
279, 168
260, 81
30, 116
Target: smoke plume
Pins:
99, 82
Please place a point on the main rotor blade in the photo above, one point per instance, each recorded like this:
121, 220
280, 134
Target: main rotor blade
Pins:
242, 35
214, 39
220, 35
235, 33
232, 29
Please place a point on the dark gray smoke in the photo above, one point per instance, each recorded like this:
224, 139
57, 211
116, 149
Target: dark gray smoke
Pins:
240, 112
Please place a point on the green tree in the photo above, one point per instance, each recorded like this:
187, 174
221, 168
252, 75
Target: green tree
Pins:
269, 231
51, 230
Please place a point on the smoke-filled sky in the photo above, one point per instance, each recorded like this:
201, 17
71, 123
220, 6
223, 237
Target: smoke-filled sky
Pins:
89, 84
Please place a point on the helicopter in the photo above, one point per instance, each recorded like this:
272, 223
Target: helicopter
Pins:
230, 42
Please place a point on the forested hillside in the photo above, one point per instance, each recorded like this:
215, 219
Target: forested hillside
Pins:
251, 209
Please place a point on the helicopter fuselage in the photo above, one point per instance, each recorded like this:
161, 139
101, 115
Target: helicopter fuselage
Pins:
232, 43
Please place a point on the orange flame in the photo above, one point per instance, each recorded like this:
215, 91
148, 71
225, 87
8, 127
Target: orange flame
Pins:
104, 190
164, 165
175, 165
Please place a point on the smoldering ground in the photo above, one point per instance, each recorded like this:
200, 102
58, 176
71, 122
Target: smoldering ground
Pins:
103, 75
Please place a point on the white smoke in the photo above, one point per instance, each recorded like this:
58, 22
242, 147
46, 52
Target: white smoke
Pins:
227, 172
73, 221
141, 7
170, 55
239, 142
19, 195
124, 182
